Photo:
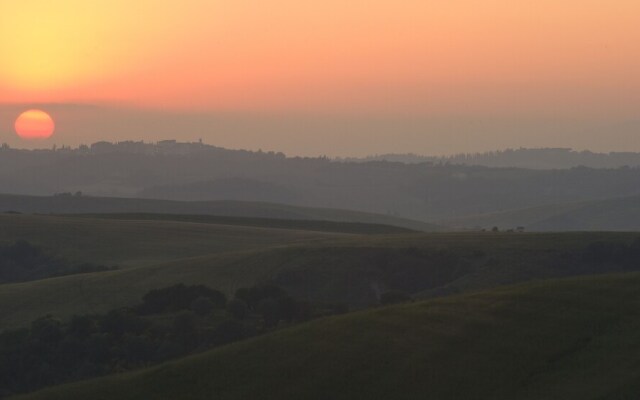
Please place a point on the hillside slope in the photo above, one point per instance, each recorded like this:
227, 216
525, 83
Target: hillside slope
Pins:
222, 208
353, 270
568, 339
142, 242
270, 223
618, 214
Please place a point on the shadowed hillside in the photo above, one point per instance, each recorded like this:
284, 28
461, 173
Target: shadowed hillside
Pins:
141, 242
570, 339
347, 269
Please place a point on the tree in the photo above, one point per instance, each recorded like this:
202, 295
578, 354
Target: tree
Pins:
228, 331
22, 250
119, 322
237, 308
202, 306
185, 330
287, 308
137, 349
179, 297
46, 330
98, 348
270, 311
255, 294
81, 326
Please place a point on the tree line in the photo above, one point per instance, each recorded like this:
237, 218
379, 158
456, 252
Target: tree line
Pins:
22, 262
169, 323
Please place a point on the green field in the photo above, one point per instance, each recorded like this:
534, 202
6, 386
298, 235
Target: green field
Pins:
553, 338
325, 267
135, 242
567, 339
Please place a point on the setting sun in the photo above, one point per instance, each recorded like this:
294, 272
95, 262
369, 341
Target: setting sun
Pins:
34, 124
307, 199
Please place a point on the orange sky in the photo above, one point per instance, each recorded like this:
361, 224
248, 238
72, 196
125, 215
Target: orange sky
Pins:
486, 58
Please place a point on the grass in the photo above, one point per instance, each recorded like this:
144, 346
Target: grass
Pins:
100, 292
138, 242
306, 225
571, 339
223, 208
329, 268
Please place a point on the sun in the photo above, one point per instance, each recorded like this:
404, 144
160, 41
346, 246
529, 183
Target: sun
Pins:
35, 124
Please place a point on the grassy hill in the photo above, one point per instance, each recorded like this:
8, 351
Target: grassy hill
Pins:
271, 223
138, 242
151, 251
569, 339
347, 269
112, 205
619, 214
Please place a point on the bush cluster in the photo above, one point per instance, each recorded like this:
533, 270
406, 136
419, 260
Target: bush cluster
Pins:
169, 322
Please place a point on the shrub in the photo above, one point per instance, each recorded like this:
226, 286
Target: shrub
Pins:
255, 294
179, 297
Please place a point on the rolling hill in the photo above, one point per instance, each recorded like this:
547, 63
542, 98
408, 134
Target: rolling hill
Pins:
150, 251
348, 269
135, 242
570, 339
68, 204
270, 223
618, 214
197, 172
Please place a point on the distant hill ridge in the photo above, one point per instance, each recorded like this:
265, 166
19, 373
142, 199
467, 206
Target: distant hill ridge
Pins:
533, 158
424, 191
79, 204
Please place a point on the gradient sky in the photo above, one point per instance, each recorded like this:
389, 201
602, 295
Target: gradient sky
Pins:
327, 77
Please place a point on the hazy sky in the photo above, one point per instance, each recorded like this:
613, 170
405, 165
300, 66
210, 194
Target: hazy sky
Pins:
327, 77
